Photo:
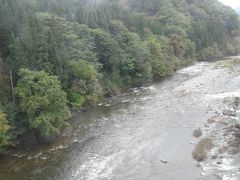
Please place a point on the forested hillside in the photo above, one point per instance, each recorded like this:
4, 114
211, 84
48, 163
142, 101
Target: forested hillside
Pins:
66, 54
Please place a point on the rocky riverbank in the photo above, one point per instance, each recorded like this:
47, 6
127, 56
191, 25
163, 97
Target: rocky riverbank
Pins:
218, 149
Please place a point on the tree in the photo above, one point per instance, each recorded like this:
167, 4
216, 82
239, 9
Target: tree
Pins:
159, 64
85, 86
4, 127
110, 57
43, 101
98, 48
6, 26
4, 83
135, 66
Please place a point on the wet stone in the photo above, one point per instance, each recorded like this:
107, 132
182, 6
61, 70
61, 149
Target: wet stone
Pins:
237, 134
163, 161
233, 151
214, 156
219, 162
229, 113
237, 126
198, 165
210, 121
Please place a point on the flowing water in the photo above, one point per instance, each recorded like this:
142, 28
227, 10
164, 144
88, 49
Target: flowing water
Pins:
144, 134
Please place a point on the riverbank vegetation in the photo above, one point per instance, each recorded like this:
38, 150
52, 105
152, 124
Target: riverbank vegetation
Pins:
63, 55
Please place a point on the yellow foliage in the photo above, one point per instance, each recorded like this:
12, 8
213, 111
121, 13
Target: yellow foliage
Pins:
3, 123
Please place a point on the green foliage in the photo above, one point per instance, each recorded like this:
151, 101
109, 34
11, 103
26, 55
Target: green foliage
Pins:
98, 48
42, 100
85, 85
135, 65
4, 84
76, 99
4, 127
83, 70
160, 65
201, 23
110, 55
236, 44
210, 52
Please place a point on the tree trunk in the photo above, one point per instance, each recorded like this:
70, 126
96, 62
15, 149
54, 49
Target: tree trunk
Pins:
37, 136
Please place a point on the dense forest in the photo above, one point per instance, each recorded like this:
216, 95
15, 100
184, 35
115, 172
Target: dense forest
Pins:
58, 56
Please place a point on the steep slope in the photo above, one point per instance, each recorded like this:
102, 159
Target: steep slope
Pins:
99, 48
209, 24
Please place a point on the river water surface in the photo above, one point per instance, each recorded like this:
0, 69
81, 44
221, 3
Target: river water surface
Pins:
144, 134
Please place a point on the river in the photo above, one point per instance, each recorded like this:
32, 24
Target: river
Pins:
144, 134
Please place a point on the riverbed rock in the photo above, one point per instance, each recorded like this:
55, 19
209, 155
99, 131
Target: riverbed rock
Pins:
163, 161
237, 126
237, 134
229, 113
233, 151
211, 120
214, 156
